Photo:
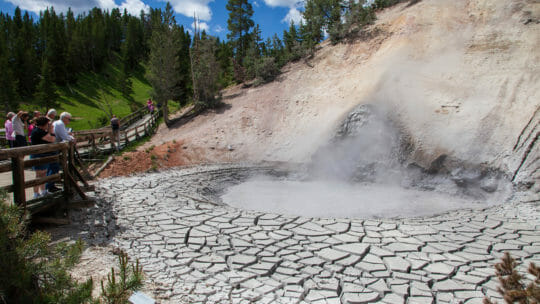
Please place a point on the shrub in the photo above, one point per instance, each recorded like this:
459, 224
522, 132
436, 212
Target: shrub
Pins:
33, 271
129, 279
266, 68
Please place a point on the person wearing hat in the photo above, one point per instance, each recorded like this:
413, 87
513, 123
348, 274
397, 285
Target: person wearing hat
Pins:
9, 129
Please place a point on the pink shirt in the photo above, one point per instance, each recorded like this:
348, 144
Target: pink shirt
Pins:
9, 130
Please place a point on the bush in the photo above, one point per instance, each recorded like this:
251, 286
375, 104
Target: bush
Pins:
266, 68
33, 271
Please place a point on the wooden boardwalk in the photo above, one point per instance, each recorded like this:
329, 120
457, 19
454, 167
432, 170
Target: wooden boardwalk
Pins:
17, 178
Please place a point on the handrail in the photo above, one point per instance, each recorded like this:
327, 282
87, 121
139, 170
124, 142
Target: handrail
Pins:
65, 155
129, 119
37, 149
18, 163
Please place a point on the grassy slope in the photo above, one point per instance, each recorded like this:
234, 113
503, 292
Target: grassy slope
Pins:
94, 92
86, 99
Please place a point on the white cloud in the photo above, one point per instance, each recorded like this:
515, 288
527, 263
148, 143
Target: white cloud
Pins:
218, 29
189, 7
79, 6
293, 15
286, 3
134, 7
203, 26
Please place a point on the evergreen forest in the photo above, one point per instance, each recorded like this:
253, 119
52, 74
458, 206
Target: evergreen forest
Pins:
86, 63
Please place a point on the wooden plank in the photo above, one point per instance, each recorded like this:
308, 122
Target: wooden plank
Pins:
88, 188
34, 182
78, 204
37, 149
109, 160
65, 169
73, 182
78, 174
81, 165
17, 167
45, 203
41, 161
50, 220
5, 166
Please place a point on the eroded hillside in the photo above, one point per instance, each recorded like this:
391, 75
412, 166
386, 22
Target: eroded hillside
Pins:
460, 78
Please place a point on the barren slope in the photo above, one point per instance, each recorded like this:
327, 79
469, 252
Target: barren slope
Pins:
460, 77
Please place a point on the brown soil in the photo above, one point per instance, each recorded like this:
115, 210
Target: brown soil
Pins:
167, 155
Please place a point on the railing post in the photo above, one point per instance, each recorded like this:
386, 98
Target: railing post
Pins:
65, 168
94, 148
17, 167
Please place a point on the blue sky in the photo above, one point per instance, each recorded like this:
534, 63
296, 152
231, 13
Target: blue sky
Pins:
273, 16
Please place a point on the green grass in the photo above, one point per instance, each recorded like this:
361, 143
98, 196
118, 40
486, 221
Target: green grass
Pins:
93, 93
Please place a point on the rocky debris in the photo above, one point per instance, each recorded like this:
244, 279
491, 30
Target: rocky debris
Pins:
199, 251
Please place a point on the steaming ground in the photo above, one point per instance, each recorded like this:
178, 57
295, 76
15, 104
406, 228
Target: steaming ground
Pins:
343, 200
461, 77
358, 174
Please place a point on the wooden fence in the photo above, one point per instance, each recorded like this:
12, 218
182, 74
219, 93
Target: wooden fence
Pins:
103, 132
70, 176
90, 141
67, 155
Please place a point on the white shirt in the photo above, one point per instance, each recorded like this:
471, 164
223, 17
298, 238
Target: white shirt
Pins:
61, 132
18, 126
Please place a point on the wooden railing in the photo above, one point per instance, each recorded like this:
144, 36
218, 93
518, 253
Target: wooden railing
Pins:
98, 139
125, 122
64, 154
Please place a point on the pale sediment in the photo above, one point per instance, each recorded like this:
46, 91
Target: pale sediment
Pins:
198, 251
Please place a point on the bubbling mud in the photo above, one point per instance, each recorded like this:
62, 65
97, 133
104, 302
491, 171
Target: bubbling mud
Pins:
364, 172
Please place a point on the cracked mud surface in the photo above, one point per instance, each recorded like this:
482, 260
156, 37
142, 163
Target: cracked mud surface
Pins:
197, 251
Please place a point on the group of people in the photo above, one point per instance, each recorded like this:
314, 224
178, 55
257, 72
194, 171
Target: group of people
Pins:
39, 130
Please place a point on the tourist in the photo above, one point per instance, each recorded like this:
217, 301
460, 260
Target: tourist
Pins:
31, 127
115, 125
60, 130
19, 125
41, 135
150, 106
51, 114
37, 114
9, 129
61, 134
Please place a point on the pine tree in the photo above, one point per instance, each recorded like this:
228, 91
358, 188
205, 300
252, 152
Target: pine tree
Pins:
25, 59
253, 54
205, 69
224, 54
292, 42
239, 25
46, 95
8, 83
335, 27
163, 63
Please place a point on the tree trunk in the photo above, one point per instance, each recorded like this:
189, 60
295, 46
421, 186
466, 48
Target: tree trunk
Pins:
165, 109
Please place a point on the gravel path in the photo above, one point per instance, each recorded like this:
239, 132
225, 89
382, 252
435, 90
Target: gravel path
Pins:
202, 252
